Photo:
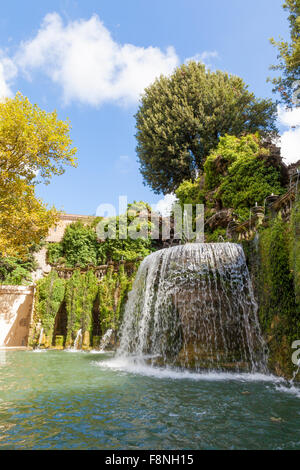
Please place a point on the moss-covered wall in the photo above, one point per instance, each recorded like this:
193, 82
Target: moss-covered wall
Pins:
62, 307
274, 262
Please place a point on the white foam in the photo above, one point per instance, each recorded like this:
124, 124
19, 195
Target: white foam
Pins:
292, 390
140, 368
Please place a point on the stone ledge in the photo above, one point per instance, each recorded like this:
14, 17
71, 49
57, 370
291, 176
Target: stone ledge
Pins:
22, 290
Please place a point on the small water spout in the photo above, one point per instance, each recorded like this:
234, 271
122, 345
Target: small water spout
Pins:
106, 339
291, 382
78, 340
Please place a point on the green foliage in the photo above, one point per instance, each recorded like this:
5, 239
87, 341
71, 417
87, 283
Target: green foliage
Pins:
54, 253
49, 296
79, 245
81, 291
295, 250
123, 244
113, 292
190, 192
15, 271
270, 258
289, 56
73, 299
218, 235
89, 293
182, 117
241, 173
273, 281
230, 149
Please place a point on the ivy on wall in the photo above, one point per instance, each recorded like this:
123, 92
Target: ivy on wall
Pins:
86, 300
273, 261
113, 291
295, 250
49, 296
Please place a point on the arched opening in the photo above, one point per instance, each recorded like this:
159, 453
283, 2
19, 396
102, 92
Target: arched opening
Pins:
61, 322
96, 325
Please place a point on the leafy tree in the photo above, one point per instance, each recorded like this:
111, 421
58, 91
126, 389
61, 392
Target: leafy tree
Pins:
54, 253
123, 246
34, 145
24, 219
289, 56
79, 245
182, 117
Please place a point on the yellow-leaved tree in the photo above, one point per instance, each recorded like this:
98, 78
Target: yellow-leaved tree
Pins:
34, 145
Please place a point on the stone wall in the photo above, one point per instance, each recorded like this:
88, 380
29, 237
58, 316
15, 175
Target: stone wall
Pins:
56, 233
16, 306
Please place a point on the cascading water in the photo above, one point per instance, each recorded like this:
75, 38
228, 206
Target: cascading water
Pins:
78, 339
193, 306
106, 339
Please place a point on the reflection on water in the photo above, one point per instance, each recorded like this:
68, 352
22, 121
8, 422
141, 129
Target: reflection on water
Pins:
58, 400
2, 358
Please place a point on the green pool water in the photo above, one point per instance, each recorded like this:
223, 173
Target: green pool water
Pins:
65, 400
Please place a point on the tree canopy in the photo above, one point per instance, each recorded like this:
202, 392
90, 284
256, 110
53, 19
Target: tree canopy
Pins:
34, 145
289, 57
182, 117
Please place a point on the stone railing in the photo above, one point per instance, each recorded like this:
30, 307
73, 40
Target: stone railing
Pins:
100, 271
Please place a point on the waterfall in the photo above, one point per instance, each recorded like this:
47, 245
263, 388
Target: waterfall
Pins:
193, 306
105, 339
77, 339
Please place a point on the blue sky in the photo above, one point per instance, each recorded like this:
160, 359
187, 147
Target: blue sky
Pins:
90, 59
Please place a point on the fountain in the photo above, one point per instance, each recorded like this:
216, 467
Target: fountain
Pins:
77, 340
193, 306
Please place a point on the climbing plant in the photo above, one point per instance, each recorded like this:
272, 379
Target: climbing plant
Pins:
49, 296
73, 299
271, 261
81, 291
89, 293
295, 249
113, 292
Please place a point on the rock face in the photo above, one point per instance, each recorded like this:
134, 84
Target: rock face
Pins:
192, 306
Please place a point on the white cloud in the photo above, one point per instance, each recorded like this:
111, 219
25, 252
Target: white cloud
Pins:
290, 146
290, 139
164, 206
289, 117
89, 65
8, 71
204, 57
